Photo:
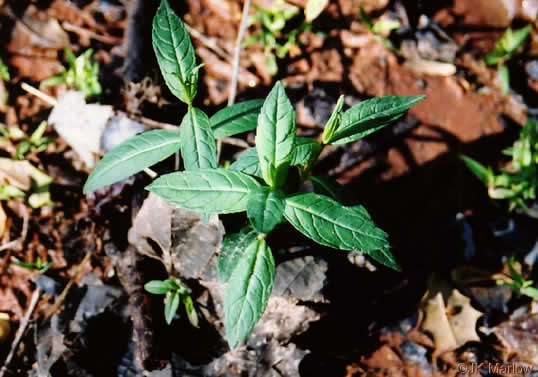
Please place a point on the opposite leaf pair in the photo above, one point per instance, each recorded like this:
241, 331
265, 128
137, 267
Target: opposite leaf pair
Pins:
265, 181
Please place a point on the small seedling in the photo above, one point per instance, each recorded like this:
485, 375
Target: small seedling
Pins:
277, 43
517, 282
265, 181
175, 293
518, 182
504, 49
82, 75
37, 265
35, 143
380, 27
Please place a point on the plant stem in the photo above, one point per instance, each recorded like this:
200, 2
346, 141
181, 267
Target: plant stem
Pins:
237, 53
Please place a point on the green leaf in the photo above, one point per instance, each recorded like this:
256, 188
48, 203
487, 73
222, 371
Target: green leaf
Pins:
175, 53
480, 171
327, 222
233, 247
132, 156
333, 122
248, 163
235, 119
508, 44
171, 305
190, 310
206, 190
370, 116
198, 145
159, 287
265, 208
306, 151
504, 78
314, 8
248, 291
275, 136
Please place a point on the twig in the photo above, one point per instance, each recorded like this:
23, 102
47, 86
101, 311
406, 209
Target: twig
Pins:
237, 53
39, 94
106, 39
153, 123
9, 245
20, 331
235, 142
62, 295
208, 42
152, 174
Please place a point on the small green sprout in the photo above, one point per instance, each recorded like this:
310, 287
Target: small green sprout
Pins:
35, 143
504, 49
175, 293
517, 282
276, 42
265, 181
380, 27
37, 265
518, 182
82, 75
4, 72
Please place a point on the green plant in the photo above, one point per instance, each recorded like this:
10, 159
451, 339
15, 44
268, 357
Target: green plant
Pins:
37, 265
175, 293
518, 182
82, 75
380, 27
265, 181
277, 43
4, 72
35, 143
517, 282
504, 49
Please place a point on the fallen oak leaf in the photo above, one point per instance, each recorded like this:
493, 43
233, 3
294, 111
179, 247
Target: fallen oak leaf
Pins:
451, 321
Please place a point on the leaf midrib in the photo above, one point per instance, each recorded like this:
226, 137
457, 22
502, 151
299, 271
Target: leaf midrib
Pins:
353, 230
121, 160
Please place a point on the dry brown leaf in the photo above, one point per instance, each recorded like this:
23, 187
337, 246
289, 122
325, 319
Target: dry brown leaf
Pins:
520, 336
462, 318
452, 321
5, 327
21, 174
436, 322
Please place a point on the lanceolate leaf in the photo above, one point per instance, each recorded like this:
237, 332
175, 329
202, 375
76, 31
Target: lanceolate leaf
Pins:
171, 305
248, 163
325, 221
198, 145
233, 247
175, 53
480, 171
132, 156
248, 291
314, 8
159, 287
370, 116
333, 122
265, 208
306, 151
275, 136
206, 190
235, 119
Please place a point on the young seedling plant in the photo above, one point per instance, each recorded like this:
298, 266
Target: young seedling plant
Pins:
518, 182
504, 49
264, 181
174, 292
